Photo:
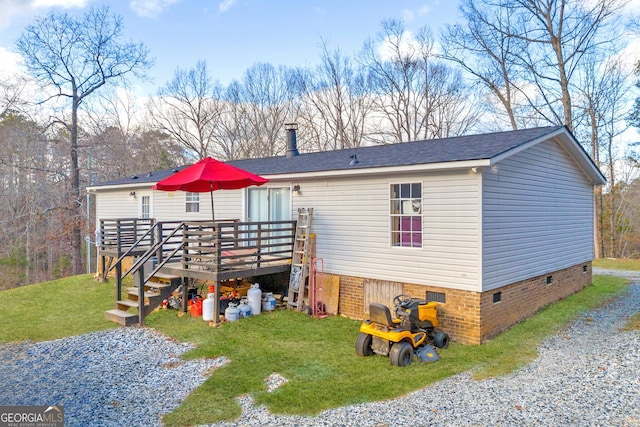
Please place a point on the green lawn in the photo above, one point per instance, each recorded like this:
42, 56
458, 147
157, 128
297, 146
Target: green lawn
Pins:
617, 264
60, 308
317, 356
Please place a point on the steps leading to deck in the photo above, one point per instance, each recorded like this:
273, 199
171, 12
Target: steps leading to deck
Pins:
156, 290
122, 317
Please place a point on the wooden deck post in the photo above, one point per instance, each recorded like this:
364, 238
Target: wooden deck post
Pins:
185, 294
141, 295
118, 265
160, 234
216, 304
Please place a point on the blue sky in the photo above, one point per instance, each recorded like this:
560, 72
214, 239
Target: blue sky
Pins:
232, 35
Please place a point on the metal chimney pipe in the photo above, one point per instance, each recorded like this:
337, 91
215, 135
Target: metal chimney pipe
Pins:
292, 144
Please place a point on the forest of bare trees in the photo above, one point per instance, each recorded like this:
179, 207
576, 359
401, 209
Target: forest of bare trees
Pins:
71, 121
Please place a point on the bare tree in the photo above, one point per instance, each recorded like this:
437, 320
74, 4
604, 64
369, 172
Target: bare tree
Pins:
189, 110
606, 97
336, 104
260, 104
530, 53
412, 88
72, 59
11, 91
480, 44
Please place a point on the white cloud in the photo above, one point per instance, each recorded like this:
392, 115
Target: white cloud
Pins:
150, 8
408, 15
225, 5
424, 10
10, 63
12, 8
66, 4
408, 45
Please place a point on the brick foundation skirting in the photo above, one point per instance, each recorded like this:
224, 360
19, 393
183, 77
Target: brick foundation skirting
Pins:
473, 317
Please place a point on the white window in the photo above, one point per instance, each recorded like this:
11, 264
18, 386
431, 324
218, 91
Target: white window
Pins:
192, 202
405, 211
145, 207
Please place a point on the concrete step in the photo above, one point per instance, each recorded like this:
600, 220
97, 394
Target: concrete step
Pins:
122, 317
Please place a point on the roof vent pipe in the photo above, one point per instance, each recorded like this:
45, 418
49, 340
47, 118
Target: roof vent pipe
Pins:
292, 144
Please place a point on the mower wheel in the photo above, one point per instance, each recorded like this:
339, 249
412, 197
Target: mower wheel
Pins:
363, 345
401, 354
441, 340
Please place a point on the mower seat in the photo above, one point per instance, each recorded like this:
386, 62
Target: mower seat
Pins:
380, 313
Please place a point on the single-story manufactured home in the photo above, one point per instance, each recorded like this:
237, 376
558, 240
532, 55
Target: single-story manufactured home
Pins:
492, 226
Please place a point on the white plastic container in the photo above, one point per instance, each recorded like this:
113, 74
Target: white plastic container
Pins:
207, 307
245, 309
231, 313
268, 302
254, 294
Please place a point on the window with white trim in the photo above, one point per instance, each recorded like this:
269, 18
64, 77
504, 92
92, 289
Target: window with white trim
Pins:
405, 211
192, 202
145, 207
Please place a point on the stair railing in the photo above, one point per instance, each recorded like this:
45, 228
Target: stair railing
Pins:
138, 267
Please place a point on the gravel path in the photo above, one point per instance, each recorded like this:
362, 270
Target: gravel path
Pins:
586, 375
119, 377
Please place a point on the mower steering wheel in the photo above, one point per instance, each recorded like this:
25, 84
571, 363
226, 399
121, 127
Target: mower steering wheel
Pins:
402, 300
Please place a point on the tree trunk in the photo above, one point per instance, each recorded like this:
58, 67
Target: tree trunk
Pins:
76, 230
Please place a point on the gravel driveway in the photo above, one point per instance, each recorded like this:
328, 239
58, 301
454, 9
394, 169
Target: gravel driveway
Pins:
586, 375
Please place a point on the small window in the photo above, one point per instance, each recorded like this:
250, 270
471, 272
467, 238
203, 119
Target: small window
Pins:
145, 207
497, 297
549, 280
437, 297
192, 202
405, 210
585, 269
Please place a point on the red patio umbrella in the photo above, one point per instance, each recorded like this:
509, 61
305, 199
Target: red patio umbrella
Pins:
209, 174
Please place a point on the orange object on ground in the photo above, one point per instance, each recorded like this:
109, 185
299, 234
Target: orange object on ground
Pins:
196, 308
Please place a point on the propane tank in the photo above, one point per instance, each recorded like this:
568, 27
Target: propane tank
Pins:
245, 309
268, 302
207, 308
255, 295
231, 313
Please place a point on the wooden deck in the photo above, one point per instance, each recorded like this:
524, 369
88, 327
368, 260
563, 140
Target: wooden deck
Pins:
260, 269
202, 250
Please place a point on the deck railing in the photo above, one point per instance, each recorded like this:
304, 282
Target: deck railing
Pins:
236, 245
122, 233
229, 244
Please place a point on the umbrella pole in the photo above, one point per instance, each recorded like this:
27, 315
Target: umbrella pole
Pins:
213, 218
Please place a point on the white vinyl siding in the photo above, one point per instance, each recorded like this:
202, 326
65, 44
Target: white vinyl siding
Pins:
351, 222
537, 216
116, 204
170, 206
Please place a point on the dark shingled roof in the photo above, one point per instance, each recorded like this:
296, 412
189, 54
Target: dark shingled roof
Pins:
460, 148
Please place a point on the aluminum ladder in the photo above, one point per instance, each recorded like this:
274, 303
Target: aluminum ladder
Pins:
301, 260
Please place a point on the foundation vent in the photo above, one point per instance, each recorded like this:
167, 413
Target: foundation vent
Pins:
440, 297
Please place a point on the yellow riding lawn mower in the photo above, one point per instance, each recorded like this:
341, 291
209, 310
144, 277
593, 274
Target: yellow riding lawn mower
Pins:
411, 332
